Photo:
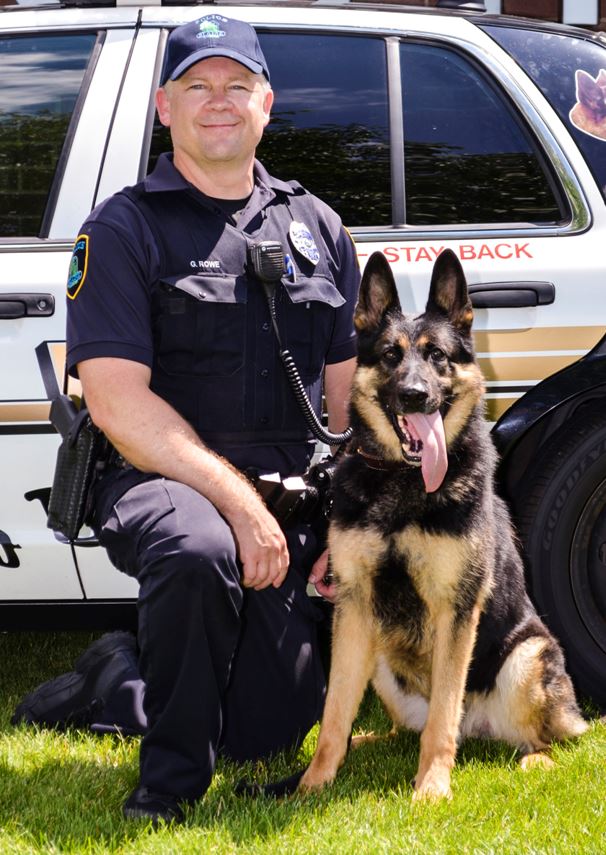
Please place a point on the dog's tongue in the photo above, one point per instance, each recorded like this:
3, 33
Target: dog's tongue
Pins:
434, 460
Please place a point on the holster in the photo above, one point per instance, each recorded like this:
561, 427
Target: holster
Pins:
77, 457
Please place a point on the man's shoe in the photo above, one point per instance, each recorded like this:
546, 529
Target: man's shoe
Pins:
157, 807
76, 697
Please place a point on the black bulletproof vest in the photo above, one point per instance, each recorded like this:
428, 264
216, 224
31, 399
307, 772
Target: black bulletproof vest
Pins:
216, 357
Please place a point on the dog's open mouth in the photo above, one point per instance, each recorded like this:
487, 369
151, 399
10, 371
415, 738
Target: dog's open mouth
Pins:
424, 445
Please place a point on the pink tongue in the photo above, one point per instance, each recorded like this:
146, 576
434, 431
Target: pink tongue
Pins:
434, 460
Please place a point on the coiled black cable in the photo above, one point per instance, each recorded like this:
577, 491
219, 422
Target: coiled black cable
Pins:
296, 384
313, 422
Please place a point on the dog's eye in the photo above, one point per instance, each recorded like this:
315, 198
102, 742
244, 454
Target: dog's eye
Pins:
436, 355
391, 355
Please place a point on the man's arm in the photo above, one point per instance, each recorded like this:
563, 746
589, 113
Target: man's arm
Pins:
152, 436
337, 387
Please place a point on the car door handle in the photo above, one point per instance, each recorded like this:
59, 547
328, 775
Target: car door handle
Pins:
22, 305
511, 295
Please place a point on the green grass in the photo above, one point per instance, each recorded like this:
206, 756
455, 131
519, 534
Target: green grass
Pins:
62, 792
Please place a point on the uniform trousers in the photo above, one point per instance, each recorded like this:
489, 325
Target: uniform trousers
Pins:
223, 669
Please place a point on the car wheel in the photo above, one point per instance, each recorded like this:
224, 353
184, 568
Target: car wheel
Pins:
562, 525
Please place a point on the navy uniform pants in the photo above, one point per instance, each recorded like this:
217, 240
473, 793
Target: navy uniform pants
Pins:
223, 668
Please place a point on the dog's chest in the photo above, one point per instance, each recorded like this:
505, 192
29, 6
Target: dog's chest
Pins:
421, 577
436, 563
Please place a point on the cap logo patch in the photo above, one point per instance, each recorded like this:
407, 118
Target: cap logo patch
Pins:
210, 29
78, 267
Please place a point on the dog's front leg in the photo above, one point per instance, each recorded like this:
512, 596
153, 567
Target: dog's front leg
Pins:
453, 646
352, 664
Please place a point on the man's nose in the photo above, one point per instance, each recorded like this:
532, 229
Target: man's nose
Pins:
217, 99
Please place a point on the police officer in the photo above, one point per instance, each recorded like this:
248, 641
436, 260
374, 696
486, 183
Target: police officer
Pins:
170, 333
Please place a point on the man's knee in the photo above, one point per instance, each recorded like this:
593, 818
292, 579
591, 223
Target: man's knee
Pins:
174, 541
200, 563
193, 544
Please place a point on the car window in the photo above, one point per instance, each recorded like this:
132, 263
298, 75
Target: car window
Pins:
41, 77
329, 128
329, 125
468, 158
571, 72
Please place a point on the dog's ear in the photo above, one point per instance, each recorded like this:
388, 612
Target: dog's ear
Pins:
378, 293
448, 292
589, 93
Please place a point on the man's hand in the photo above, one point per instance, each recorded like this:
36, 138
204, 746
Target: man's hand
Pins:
316, 578
261, 546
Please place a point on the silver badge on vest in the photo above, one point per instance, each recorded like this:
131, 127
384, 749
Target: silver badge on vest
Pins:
303, 242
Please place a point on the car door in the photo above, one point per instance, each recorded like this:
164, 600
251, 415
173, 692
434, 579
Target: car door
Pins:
60, 81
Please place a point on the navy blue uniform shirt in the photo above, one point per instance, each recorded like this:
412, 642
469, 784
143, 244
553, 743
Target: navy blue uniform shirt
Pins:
161, 275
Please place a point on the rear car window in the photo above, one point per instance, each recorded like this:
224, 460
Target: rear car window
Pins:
40, 76
329, 125
468, 156
571, 73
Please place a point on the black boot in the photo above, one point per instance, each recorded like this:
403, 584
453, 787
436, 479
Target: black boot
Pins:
146, 804
77, 697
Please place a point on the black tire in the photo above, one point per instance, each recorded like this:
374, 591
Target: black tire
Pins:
562, 526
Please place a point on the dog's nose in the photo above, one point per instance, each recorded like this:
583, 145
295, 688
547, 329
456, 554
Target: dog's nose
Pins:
413, 396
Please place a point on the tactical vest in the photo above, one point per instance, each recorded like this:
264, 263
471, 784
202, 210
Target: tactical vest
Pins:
216, 357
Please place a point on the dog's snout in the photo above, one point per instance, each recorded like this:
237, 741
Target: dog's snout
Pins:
413, 395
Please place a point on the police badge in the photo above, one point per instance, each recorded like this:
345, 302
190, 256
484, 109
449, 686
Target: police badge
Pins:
303, 242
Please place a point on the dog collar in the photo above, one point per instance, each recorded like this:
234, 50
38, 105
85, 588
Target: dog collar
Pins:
374, 462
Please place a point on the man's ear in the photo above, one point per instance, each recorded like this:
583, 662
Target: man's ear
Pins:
268, 100
378, 293
163, 106
448, 292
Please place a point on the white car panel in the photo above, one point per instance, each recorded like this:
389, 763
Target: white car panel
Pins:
123, 156
77, 194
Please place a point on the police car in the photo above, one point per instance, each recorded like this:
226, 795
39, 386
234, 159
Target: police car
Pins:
424, 129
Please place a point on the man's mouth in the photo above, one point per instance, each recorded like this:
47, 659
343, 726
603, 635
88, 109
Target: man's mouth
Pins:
424, 444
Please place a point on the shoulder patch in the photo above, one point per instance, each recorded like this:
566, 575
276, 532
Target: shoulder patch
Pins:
77, 267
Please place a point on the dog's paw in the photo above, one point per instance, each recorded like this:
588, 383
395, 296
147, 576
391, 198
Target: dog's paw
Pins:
371, 736
433, 787
314, 780
538, 760
363, 738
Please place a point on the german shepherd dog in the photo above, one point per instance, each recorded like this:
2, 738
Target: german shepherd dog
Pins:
589, 113
431, 604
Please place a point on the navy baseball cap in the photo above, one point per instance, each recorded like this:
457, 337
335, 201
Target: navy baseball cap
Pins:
212, 35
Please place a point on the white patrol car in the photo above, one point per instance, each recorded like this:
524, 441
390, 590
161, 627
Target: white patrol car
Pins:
425, 129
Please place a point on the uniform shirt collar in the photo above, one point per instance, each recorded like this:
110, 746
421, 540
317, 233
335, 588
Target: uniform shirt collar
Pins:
166, 176
264, 179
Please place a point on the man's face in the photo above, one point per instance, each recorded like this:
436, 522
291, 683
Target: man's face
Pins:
216, 111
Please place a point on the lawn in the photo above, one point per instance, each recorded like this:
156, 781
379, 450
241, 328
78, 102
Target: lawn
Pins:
62, 792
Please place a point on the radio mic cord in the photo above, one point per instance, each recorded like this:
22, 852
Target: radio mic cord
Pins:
268, 263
